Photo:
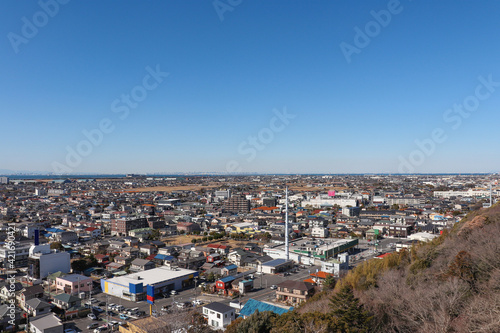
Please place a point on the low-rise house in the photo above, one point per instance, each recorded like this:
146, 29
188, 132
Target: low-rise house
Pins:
93, 232
123, 260
66, 237
30, 293
148, 249
46, 324
218, 315
224, 284
141, 265
253, 305
70, 304
294, 292
6, 290
229, 270
129, 251
6, 320
102, 258
36, 307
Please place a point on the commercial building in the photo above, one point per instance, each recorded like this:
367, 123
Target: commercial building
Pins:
308, 251
133, 286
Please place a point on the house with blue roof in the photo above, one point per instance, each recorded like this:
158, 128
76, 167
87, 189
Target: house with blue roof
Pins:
229, 270
224, 284
277, 266
252, 305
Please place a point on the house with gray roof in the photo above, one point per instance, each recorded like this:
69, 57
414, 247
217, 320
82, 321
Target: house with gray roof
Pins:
36, 307
46, 324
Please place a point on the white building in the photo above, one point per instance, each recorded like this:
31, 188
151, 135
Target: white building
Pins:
469, 193
319, 232
133, 287
326, 201
43, 261
219, 315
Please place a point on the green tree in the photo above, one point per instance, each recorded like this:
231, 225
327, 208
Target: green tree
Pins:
56, 246
79, 265
258, 322
348, 312
329, 282
155, 234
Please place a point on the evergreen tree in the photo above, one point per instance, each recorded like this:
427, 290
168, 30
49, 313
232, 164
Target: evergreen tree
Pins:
348, 313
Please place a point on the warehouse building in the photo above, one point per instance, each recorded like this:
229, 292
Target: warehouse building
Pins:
133, 286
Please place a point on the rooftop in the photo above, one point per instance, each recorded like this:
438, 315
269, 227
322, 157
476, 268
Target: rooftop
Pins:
152, 276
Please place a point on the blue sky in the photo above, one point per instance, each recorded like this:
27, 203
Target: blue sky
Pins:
232, 69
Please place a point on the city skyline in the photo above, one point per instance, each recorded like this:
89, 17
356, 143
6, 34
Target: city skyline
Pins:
249, 87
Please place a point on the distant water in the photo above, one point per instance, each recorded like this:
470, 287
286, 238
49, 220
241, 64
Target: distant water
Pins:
62, 177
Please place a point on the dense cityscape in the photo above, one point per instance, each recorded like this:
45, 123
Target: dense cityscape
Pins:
144, 253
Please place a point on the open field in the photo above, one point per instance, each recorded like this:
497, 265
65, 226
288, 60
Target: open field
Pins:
166, 188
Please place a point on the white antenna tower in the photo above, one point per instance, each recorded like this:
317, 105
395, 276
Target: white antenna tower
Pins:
287, 256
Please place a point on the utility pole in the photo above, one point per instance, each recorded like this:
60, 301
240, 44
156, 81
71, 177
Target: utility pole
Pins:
287, 254
195, 280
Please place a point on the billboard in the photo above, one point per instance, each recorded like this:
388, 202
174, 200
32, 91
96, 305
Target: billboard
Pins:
150, 294
331, 193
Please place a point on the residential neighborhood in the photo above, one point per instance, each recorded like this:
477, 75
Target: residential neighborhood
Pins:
134, 252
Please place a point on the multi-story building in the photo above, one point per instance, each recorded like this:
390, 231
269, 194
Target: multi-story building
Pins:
42, 261
74, 284
409, 201
122, 226
4, 180
15, 258
400, 230
237, 204
269, 202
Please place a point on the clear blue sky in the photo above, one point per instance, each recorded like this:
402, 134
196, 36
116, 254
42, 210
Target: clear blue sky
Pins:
228, 77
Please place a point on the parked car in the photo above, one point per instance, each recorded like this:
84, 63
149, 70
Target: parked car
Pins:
92, 316
274, 287
92, 325
197, 302
165, 308
100, 329
69, 330
123, 316
111, 313
173, 292
102, 304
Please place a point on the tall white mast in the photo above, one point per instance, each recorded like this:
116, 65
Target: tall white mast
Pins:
286, 226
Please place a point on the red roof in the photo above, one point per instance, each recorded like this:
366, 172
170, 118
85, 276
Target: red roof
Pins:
383, 255
310, 280
90, 229
321, 274
265, 208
